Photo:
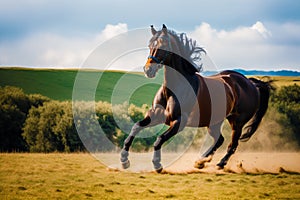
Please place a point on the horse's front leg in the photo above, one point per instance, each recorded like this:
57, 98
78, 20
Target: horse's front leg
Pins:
153, 117
175, 127
137, 127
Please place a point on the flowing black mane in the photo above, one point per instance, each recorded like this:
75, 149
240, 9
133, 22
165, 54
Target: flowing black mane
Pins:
188, 49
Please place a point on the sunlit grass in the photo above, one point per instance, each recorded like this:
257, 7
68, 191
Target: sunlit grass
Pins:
279, 81
80, 176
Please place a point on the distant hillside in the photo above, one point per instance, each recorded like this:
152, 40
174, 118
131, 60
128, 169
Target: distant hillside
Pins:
259, 73
58, 84
268, 73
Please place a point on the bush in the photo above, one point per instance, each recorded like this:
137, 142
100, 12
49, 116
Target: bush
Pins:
87, 124
287, 102
14, 107
50, 128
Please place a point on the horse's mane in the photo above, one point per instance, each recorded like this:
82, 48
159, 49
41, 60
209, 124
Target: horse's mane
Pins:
188, 49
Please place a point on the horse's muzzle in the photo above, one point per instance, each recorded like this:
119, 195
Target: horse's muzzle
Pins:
150, 71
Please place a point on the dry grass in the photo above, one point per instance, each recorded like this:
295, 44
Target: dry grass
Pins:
80, 176
279, 81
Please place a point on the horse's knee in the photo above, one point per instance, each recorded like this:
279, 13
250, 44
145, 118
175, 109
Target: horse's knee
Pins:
220, 141
158, 143
145, 122
128, 142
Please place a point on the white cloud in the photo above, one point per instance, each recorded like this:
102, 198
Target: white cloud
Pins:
258, 46
259, 27
44, 49
113, 30
52, 50
254, 47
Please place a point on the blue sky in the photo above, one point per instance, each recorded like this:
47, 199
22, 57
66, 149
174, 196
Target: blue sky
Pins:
249, 34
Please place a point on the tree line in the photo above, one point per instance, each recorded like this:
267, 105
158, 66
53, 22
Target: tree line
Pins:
35, 123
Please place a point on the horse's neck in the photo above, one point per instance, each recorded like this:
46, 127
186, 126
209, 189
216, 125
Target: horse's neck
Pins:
172, 77
177, 74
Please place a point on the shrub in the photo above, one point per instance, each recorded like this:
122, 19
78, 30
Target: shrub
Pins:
50, 128
287, 102
14, 107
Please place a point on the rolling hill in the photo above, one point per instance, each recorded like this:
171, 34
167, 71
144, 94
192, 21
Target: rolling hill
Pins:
58, 84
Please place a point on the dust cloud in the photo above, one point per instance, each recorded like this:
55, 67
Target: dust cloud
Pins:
254, 163
269, 150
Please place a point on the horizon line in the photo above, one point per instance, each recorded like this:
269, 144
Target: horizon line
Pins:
123, 70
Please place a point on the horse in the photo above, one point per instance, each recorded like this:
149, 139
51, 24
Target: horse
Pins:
188, 99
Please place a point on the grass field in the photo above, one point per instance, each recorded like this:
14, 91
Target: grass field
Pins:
58, 84
80, 176
279, 81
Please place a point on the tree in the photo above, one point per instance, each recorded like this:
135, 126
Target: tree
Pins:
51, 128
14, 107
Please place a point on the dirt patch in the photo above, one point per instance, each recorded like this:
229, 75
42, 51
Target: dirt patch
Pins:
258, 162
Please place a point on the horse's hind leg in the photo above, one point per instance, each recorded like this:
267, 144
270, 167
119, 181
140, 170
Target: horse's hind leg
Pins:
215, 133
236, 133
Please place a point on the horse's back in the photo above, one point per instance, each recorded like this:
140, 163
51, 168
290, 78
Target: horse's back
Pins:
246, 94
223, 94
215, 101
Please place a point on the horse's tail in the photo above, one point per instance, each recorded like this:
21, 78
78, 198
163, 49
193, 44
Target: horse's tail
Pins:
264, 91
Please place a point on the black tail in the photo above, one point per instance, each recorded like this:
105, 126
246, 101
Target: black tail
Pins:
264, 91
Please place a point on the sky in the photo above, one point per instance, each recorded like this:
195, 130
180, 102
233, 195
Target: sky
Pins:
248, 34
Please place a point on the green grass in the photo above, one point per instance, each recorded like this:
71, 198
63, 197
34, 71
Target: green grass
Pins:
80, 176
58, 84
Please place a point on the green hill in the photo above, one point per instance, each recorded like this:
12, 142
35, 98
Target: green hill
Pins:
58, 83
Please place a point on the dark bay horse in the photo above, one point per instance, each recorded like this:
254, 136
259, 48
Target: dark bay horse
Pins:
188, 99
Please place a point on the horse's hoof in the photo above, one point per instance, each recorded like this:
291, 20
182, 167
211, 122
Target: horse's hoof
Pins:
245, 137
126, 164
158, 167
220, 166
159, 170
199, 165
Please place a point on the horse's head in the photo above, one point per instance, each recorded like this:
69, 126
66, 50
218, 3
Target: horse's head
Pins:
160, 46
167, 47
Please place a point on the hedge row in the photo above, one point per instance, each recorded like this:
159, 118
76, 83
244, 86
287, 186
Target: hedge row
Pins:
35, 123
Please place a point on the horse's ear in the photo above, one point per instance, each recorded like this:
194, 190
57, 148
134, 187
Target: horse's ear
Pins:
164, 29
153, 31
